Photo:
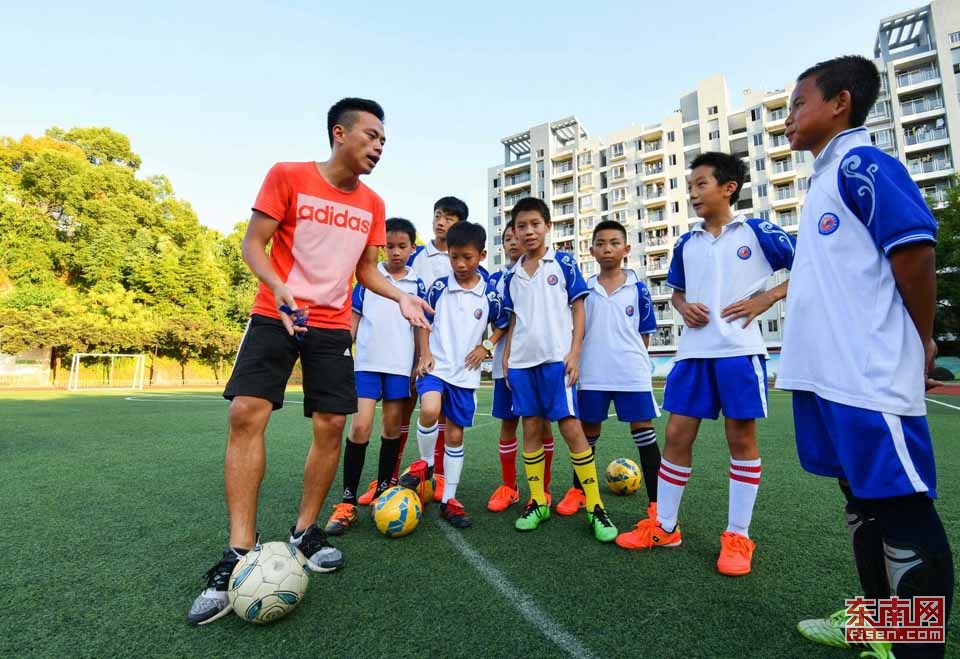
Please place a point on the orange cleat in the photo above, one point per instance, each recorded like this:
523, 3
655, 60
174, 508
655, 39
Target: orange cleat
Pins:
502, 498
438, 487
648, 534
344, 514
367, 497
736, 554
571, 502
652, 510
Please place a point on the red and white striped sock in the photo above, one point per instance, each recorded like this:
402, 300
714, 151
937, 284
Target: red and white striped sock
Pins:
670, 483
508, 461
744, 483
438, 450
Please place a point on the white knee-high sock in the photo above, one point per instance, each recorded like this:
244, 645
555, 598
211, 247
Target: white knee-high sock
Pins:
426, 441
670, 483
452, 468
744, 484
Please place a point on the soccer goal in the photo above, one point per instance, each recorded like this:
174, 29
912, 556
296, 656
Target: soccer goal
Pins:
98, 370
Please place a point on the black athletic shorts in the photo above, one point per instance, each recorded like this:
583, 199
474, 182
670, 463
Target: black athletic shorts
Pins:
266, 358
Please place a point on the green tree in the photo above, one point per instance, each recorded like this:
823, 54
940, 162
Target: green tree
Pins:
947, 320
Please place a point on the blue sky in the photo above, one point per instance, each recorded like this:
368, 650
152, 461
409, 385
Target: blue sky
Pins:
212, 94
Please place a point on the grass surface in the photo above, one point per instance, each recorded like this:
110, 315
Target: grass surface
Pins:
113, 510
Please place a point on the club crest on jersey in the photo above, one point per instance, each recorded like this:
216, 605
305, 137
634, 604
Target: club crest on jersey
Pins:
552, 280
828, 224
744, 252
630, 310
478, 313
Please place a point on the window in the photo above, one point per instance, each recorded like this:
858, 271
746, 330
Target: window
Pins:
800, 156
585, 159
773, 326
755, 114
955, 37
586, 202
762, 190
639, 214
496, 259
497, 220
616, 150
620, 216
496, 182
541, 194
671, 136
496, 240
676, 231
639, 191
758, 139
672, 159
676, 206
802, 183
712, 110
539, 153
618, 194
496, 201
714, 135
760, 164
636, 168
617, 173
673, 183
765, 215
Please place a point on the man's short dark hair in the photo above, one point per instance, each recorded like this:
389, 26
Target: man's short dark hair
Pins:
467, 234
452, 206
531, 204
609, 225
853, 73
509, 225
343, 113
726, 168
406, 226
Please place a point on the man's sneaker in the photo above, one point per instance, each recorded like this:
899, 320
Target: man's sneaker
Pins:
571, 502
603, 528
344, 514
502, 498
367, 497
648, 534
213, 603
736, 552
418, 472
321, 555
453, 512
652, 510
533, 516
438, 482
830, 631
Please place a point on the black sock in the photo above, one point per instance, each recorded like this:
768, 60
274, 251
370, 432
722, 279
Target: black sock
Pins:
867, 538
592, 441
645, 440
353, 457
389, 450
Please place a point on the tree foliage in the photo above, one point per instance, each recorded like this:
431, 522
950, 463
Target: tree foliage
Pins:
94, 258
947, 320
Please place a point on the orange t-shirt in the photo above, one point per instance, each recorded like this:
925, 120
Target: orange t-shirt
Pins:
322, 234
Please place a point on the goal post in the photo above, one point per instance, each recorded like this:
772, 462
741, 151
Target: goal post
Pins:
103, 370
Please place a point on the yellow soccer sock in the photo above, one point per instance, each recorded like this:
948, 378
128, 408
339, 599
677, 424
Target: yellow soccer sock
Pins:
586, 469
533, 465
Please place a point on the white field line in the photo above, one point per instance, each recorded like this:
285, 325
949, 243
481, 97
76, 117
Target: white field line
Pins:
523, 603
938, 402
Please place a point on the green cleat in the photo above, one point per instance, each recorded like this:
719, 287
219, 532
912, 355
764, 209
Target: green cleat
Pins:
603, 528
533, 516
830, 631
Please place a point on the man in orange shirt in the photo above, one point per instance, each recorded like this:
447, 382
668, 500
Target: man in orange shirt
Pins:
324, 225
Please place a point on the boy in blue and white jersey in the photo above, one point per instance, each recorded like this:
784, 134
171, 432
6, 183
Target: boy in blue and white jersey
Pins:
545, 293
615, 366
450, 356
383, 364
859, 342
719, 273
507, 493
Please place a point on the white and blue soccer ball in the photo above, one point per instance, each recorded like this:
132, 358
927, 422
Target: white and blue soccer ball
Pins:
268, 583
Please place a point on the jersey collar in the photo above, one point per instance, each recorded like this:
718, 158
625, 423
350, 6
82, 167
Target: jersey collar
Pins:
431, 249
739, 218
839, 145
479, 290
594, 283
407, 276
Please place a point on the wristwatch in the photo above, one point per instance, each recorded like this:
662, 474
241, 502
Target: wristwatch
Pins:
487, 345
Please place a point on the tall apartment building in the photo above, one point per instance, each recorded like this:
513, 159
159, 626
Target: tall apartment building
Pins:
637, 175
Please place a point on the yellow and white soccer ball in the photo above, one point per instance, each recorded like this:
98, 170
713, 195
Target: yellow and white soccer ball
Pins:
623, 476
424, 490
397, 512
268, 583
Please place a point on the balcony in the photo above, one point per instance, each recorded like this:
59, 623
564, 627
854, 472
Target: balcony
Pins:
920, 105
564, 190
616, 152
664, 315
920, 167
661, 340
782, 170
516, 180
879, 112
561, 210
924, 137
788, 220
655, 217
652, 149
585, 161
660, 291
776, 118
657, 244
510, 200
653, 194
522, 163
784, 197
779, 145
915, 78
657, 267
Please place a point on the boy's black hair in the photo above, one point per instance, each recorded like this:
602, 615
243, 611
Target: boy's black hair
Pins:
853, 73
343, 113
467, 234
404, 225
726, 168
531, 204
506, 227
609, 225
452, 206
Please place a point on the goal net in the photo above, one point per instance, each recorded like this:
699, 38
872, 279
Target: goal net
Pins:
94, 370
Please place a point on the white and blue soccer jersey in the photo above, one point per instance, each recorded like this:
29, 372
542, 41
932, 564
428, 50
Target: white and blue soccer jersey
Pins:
497, 279
543, 332
460, 319
719, 271
429, 263
384, 336
614, 357
848, 336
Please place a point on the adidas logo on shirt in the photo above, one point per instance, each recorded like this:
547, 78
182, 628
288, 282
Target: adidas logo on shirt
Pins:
329, 212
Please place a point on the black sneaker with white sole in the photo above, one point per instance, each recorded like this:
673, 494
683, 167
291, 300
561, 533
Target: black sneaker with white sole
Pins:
213, 603
320, 554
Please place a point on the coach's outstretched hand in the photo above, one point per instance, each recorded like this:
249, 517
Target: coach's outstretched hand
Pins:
283, 297
414, 309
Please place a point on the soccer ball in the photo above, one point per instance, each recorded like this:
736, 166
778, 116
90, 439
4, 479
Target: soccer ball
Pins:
268, 583
623, 476
424, 490
397, 512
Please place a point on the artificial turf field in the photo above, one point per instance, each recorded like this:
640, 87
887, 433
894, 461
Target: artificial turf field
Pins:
112, 510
